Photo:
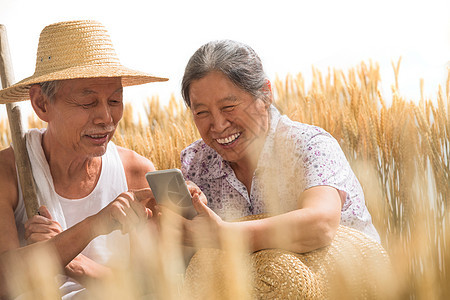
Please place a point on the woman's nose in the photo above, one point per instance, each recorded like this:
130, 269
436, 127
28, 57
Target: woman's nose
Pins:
219, 122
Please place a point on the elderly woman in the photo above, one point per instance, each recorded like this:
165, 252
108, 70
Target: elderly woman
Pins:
252, 160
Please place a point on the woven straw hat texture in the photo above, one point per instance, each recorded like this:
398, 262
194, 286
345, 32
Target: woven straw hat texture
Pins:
353, 267
75, 49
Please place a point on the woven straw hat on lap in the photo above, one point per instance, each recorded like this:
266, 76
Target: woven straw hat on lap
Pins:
75, 49
353, 267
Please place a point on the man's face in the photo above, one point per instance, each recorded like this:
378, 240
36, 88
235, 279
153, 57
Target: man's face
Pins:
228, 118
84, 114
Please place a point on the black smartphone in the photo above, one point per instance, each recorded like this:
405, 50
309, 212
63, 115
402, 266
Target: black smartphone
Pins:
170, 189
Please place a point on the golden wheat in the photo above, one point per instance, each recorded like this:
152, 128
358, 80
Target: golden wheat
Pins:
400, 152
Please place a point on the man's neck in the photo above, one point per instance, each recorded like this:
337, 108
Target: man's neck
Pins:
74, 176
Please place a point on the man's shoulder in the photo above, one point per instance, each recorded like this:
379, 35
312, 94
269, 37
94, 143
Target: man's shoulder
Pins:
128, 153
8, 177
131, 159
7, 161
135, 167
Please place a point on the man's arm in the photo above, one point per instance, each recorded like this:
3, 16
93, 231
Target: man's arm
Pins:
8, 201
135, 166
42, 227
123, 213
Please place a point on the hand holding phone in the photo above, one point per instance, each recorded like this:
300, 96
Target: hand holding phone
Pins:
170, 189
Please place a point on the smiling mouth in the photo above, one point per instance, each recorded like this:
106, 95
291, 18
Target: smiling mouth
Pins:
228, 140
97, 136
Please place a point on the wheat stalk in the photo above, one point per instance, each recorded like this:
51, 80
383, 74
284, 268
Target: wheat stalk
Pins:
399, 151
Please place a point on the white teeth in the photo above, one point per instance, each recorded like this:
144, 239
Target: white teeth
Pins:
97, 136
229, 139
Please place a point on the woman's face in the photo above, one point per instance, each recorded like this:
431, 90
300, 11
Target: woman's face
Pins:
228, 118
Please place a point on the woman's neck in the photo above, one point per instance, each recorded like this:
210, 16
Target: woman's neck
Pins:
244, 169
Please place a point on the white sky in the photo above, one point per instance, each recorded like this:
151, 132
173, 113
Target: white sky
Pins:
159, 37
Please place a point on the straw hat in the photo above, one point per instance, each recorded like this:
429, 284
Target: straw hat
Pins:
75, 49
353, 267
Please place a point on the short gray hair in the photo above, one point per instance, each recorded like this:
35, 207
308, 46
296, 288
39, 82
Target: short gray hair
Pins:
50, 88
237, 61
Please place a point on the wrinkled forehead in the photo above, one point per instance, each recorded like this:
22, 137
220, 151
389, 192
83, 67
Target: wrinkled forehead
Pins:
86, 86
92, 82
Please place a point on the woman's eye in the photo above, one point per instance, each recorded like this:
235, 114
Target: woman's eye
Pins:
201, 113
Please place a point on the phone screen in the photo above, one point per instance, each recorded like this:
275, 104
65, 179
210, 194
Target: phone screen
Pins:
170, 189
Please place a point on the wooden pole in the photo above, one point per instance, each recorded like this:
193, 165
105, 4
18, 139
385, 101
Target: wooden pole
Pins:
17, 134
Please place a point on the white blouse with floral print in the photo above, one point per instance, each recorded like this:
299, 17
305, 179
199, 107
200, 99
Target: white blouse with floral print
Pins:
294, 157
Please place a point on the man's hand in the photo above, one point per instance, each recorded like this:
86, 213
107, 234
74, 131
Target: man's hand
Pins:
146, 198
41, 227
128, 211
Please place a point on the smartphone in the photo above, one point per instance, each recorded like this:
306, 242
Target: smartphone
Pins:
170, 189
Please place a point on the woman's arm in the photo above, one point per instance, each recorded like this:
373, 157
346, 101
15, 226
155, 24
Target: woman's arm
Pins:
312, 226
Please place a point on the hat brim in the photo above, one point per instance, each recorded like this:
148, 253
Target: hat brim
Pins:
20, 90
281, 274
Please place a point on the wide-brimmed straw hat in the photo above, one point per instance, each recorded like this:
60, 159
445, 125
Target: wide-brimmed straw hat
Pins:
353, 267
75, 49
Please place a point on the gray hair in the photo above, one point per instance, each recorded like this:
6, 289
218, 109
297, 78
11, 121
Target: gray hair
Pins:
237, 61
50, 88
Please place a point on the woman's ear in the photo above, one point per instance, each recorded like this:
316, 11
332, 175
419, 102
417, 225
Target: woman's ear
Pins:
268, 93
39, 102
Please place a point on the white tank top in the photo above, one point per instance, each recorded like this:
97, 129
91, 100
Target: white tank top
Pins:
111, 183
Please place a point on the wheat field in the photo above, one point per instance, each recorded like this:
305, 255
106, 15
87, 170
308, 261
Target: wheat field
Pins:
399, 150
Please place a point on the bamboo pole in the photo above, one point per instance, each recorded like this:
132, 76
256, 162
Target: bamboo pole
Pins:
17, 134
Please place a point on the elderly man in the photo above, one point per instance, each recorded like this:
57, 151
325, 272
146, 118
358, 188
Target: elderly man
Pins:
82, 178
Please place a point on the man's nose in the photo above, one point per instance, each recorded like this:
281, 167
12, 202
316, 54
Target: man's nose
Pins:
102, 114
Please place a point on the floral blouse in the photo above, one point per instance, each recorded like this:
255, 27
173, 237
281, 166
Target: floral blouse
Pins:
294, 157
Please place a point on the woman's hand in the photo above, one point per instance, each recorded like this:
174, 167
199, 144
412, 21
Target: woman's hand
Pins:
41, 227
205, 229
195, 190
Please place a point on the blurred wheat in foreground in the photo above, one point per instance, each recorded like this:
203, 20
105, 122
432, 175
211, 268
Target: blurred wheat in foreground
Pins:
400, 151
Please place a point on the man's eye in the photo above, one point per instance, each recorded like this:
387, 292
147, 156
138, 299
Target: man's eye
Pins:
228, 108
88, 105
